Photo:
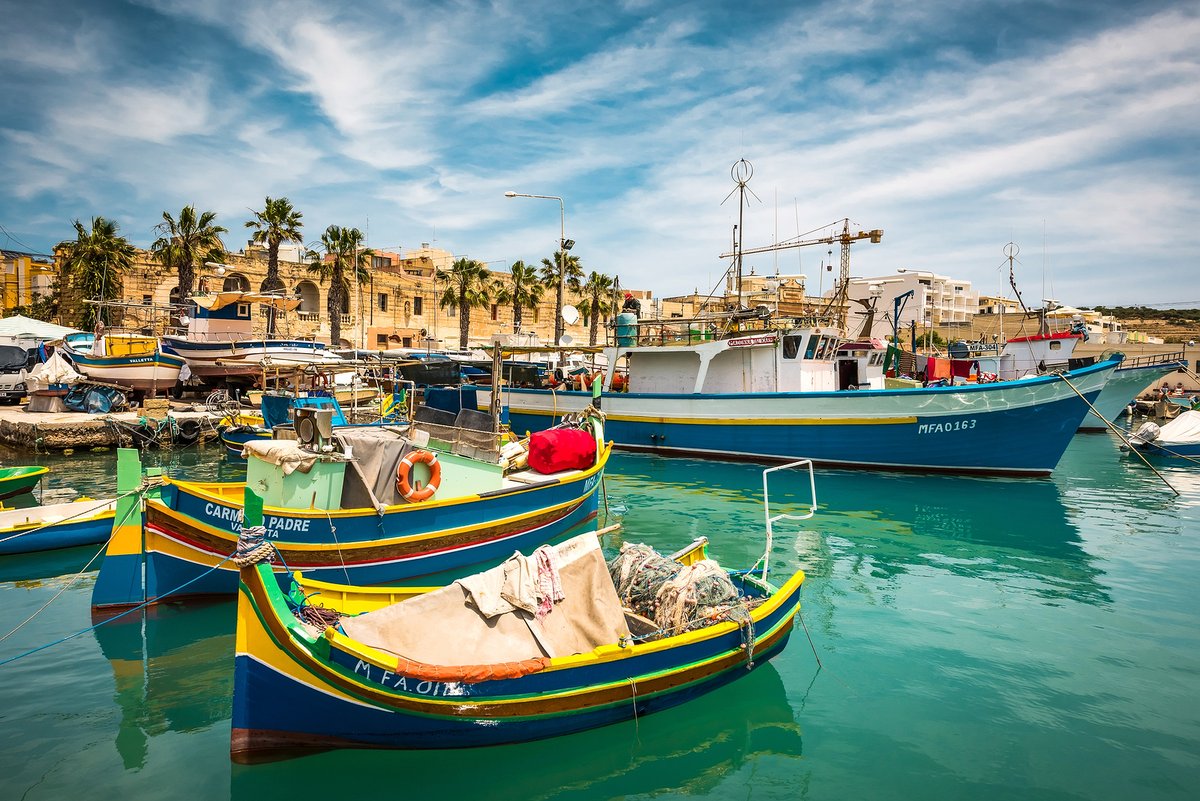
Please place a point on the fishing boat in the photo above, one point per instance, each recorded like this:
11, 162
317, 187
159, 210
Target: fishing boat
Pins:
136, 361
56, 525
1126, 383
1179, 438
460, 665
19, 480
220, 345
364, 504
779, 394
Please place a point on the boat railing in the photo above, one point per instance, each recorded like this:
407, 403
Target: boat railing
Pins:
772, 519
1156, 358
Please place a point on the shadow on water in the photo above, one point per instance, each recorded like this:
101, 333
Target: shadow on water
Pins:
688, 750
173, 672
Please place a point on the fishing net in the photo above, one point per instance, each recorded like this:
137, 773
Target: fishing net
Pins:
676, 597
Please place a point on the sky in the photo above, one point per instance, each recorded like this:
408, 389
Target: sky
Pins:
1068, 128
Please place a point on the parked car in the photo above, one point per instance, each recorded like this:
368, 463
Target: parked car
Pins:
13, 363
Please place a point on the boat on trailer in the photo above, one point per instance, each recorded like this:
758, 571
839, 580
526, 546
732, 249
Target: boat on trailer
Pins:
137, 361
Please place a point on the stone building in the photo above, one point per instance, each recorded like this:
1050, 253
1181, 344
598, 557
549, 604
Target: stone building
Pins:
397, 308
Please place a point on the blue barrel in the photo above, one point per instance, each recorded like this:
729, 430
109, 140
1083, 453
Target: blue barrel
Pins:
627, 324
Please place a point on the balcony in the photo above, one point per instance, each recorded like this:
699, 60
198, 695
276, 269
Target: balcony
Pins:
308, 317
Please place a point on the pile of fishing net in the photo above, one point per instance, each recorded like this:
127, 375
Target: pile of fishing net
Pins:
676, 597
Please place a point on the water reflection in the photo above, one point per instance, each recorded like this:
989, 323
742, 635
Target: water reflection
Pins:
173, 672
882, 526
688, 750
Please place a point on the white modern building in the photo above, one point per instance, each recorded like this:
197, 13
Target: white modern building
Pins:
937, 301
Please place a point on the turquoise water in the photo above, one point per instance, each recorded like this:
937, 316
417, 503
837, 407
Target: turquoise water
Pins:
979, 639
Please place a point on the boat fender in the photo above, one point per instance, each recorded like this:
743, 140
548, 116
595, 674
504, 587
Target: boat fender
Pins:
405, 486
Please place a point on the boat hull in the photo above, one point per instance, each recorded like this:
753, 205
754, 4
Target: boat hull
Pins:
190, 533
248, 358
69, 525
159, 370
288, 697
1015, 428
18, 480
1121, 389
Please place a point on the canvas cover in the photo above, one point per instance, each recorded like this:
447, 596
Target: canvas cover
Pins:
444, 627
1183, 430
371, 477
286, 454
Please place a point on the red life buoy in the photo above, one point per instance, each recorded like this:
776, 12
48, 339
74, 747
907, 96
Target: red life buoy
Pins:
406, 488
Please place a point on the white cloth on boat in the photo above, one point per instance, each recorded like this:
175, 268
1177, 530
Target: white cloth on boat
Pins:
286, 454
445, 626
549, 580
55, 370
1183, 430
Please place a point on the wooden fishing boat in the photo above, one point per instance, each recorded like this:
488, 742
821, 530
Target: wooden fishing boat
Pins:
16, 480
129, 360
427, 668
338, 509
56, 525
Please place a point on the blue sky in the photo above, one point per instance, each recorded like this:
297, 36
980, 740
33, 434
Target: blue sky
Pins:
1067, 127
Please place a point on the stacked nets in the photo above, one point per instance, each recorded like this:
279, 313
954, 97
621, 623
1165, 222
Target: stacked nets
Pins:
676, 597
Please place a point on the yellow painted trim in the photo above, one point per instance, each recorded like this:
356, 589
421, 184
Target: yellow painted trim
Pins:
737, 421
348, 547
205, 491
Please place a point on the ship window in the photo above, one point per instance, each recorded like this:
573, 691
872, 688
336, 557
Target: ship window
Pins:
811, 350
243, 310
791, 346
1055, 346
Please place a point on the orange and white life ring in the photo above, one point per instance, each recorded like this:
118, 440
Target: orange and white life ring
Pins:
412, 491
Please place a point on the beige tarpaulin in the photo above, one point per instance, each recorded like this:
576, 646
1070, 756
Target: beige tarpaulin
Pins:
284, 453
443, 627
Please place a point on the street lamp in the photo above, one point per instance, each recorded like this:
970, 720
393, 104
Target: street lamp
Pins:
564, 245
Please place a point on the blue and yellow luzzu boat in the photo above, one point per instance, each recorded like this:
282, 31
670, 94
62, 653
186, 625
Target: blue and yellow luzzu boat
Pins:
336, 510
58, 525
423, 668
16, 480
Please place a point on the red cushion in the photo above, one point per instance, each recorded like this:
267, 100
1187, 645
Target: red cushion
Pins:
561, 449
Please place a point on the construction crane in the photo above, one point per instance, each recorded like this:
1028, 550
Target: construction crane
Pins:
844, 239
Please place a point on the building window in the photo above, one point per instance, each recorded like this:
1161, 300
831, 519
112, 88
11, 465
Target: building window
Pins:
383, 300
381, 341
147, 300
381, 261
451, 311
495, 308
407, 342
417, 305
537, 313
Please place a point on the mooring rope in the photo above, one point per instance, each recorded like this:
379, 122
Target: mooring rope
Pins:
145, 486
1116, 431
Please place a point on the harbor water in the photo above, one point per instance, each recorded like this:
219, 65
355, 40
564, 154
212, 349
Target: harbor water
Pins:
977, 638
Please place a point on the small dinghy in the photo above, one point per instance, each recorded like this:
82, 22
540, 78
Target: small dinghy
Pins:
16, 480
1178, 438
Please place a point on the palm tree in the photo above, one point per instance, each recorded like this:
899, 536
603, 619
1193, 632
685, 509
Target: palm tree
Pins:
572, 273
466, 288
277, 223
94, 263
597, 301
343, 252
522, 289
185, 243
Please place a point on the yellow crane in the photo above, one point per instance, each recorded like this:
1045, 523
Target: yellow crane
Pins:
844, 239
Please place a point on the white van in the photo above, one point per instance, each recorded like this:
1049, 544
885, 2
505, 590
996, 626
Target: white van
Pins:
13, 363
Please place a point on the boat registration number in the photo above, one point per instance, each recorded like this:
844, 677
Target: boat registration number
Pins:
945, 428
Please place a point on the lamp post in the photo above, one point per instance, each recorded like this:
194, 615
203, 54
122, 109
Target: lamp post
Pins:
564, 246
